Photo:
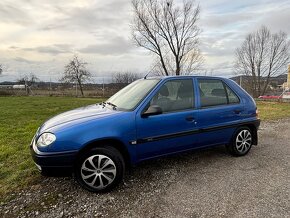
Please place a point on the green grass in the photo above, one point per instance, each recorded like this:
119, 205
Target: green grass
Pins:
19, 119
273, 110
21, 116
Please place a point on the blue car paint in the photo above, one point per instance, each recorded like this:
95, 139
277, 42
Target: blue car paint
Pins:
167, 123
144, 138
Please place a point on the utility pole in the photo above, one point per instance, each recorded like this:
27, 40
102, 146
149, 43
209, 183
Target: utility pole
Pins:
288, 77
26, 89
49, 85
103, 87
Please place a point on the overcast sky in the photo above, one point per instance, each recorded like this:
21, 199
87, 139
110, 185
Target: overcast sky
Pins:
41, 36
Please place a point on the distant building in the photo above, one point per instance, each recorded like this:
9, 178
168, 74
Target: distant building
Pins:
275, 86
286, 85
18, 86
5, 86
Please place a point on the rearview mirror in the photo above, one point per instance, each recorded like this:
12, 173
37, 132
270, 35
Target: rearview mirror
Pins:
152, 110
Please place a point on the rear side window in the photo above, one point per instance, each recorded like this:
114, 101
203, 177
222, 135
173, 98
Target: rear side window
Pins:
233, 98
214, 92
175, 95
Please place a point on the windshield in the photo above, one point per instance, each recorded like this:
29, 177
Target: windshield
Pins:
130, 96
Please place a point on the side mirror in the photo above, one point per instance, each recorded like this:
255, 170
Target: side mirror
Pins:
152, 110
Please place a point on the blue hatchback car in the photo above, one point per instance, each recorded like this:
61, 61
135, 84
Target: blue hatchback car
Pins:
149, 118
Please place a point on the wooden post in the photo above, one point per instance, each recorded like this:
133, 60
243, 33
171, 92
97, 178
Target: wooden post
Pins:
103, 87
288, 78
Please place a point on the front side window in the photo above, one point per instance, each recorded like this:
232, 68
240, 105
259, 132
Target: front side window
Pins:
214, 92
129, 97
175, 95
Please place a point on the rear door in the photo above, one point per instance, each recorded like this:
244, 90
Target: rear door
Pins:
174, 129
220, 109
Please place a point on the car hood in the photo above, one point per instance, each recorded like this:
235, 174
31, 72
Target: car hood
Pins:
80, 114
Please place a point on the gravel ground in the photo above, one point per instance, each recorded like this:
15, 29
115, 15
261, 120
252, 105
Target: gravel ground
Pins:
207, 183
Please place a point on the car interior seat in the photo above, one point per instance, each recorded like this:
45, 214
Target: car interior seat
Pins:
184, 97
162, 100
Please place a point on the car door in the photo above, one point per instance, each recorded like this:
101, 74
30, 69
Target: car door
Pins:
174, 129
220, 109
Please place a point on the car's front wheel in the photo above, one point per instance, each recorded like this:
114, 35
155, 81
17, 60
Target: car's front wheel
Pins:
242, 142
100, 169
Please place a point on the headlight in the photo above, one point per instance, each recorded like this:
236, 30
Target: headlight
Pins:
45, 139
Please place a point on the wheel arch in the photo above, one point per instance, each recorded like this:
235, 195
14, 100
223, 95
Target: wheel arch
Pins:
253, 129
115, 143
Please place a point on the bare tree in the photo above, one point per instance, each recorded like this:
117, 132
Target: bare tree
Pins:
125, 78
76, 72
28, 81
168, 30
261, 56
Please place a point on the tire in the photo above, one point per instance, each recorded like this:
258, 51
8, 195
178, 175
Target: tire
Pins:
241, 142
100, 169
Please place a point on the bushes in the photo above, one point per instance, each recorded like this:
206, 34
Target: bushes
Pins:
6, 93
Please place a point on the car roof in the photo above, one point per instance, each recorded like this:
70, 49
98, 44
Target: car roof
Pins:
183, 76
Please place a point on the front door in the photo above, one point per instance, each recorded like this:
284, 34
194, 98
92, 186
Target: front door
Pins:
174, 129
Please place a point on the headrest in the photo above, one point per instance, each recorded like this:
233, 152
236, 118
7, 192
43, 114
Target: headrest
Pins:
164, 91
185, 91
218, 92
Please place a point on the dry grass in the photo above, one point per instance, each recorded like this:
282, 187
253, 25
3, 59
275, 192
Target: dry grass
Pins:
273, 110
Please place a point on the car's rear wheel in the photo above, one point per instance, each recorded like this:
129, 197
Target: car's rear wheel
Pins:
100, 169
242, 142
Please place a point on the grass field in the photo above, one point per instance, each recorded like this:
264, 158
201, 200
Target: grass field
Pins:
19, 119
273, 110
21, 116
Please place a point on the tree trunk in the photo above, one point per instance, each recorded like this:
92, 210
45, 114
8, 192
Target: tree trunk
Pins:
254, 85
266, 85
81, 88
163, 65
177, 71
259, 86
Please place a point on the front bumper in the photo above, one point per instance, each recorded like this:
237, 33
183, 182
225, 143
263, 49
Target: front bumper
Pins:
53, 161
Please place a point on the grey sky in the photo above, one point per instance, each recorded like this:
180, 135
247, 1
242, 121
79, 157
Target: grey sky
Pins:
41, 36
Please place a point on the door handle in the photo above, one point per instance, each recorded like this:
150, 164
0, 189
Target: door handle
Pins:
190, 118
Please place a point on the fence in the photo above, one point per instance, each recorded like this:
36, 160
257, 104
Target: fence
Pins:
89, 90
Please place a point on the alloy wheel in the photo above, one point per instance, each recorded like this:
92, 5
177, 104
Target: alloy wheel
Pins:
244, 141
98, 171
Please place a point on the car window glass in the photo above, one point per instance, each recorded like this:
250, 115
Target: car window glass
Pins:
233, 98
175, 95
130, 96
212, 92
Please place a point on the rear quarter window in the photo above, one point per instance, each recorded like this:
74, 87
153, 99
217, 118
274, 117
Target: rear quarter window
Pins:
233, 98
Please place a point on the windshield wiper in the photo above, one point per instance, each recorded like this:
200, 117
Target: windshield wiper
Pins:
102, 103
109, 103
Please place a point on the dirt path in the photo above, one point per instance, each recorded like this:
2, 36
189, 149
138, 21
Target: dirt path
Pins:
197, 184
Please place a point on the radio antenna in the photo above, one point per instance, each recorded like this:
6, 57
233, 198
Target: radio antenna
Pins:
145, 77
